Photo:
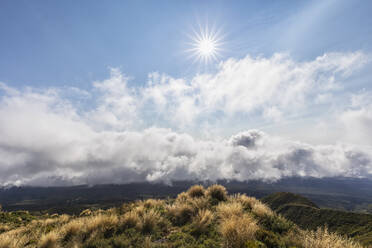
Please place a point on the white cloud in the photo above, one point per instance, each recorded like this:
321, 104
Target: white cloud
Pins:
48, 138
356, 121
272, 86
117, 104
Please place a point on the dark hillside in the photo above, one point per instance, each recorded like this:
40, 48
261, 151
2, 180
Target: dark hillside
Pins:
278, 200
308, 216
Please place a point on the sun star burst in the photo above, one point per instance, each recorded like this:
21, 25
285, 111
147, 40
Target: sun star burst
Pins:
206, 45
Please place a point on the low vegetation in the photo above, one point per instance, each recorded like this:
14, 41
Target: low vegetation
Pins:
200, 217
308, 215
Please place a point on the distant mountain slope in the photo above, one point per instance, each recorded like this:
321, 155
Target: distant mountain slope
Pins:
280, 199
307, 215
340, 193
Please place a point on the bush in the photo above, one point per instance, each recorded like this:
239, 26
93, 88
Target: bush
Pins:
276, 223
130, 220
196, 191
270, 239
261, 209
217, 192
202, 220
6, 241
49, 240
153, 203
101, 223
199, 203
182, 197
71, 229
321, 238
180, 213
226, 210
149, 221
237, 231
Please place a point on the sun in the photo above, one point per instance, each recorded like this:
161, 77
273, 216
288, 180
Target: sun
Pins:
206, 45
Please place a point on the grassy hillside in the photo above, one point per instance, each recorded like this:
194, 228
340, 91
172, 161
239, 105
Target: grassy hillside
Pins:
197, 218
308, 216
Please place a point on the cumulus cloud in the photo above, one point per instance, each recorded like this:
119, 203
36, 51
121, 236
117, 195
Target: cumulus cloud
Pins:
48, 138
356, 120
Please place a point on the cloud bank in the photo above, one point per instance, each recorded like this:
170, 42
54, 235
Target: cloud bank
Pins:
115, 133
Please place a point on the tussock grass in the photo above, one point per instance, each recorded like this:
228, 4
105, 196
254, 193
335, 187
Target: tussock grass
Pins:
86, 212
72, 229
101, 222
4, 228
7, 241
149, 221
130, 219
49, 240
256, 206
261, 210
197, 218
322, 238
180, 213
199, 203
147, 242
238, 230
182, 197
226, 210
196, 191
202, 220
217, 192
140, 209
153, 203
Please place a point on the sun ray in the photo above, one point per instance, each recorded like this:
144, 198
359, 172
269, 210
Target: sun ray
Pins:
205, 45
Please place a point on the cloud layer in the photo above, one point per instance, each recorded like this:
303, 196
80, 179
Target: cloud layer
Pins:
115, 133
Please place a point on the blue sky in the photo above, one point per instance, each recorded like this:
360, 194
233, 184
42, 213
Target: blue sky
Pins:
109, 92
73, 43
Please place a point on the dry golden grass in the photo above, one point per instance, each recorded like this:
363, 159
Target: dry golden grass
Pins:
49, 240
140, 209
147, 242
261, 210
234, 217
251, 203
245, 200
4, 228
202, 220
15, 238
86, 212
322, 238
236, 231
199, 203
226, 210
130, 219
101, 222
182, 197
49, 221
64, 218
149, 221
196, 191
153, 203
217, 192
72, 229
180, 213
6, 241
